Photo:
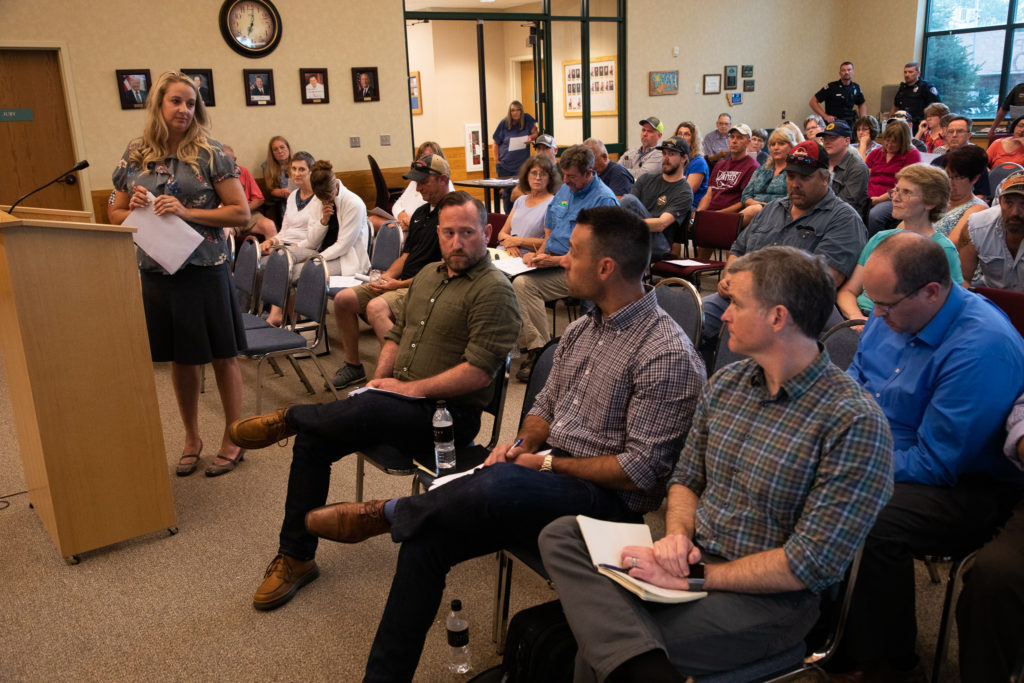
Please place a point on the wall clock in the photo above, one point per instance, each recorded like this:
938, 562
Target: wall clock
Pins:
251, 27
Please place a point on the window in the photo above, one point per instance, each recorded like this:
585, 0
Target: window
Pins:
974, 52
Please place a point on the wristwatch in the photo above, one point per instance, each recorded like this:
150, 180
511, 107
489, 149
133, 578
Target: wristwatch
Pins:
546, 465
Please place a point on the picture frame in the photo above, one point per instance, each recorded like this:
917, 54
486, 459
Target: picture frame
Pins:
712, 84
259, 87
748, 71
748, 85
415, 93
133, 97
733, 98
731, 77
604, 87
662, 83
313, 87
474, 148
365, 84
203, 79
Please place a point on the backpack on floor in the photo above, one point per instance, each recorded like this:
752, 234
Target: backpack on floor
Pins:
539, 646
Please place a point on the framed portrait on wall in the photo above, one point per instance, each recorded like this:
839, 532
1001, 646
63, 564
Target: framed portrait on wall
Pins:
365, 86
712, 84
603, 87
132, 87
415, 93
313, 84
259, 87
731, 76
203, 79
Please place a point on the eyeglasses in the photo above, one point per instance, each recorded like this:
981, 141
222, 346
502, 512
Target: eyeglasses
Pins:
904, 194
420, 166
537, 173
801, 160
889, 306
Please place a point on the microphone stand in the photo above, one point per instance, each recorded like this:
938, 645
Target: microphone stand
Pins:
64, 177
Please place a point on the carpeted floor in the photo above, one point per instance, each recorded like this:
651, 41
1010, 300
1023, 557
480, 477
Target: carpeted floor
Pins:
163, 607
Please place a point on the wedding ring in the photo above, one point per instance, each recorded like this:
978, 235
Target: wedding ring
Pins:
634, 561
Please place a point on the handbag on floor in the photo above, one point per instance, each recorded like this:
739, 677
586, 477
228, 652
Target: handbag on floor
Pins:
539, 646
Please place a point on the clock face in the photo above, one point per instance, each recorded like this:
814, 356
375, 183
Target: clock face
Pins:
251, 27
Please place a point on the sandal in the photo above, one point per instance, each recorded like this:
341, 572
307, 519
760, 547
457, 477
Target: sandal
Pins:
215, 470
188, 462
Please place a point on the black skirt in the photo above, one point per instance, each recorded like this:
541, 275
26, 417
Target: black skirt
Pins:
192, 316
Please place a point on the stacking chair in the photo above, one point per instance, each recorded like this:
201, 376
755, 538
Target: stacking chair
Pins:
572, 310
387, 246
841, 342
528, 556
1001, 172
713, 230
386, 196
956, 572
267, 343
723, 354
681, 300
391, 460
246, 275
275, 287
1011, 302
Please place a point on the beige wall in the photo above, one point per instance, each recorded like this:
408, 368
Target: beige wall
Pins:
116, 34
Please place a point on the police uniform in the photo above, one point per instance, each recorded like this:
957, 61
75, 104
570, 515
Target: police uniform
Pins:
914, 98
841, 100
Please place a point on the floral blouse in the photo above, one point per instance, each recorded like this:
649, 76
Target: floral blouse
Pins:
194, 191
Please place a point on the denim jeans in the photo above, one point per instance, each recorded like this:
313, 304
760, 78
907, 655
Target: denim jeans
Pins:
500, 506
329, 431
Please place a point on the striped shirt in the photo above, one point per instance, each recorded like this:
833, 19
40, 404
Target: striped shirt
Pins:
624, 385
806, 470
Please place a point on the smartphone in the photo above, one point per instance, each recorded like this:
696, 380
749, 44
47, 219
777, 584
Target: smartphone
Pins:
696, 577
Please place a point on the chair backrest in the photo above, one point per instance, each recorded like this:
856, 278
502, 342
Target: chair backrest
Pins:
681, 300
311, 289
231, 247
496, 406
379, 184
716, 229
723, 354
841, 342
497, 222
1011, 302
538, 376
246, 274
823, 640
277, 278
998, 174
387, 246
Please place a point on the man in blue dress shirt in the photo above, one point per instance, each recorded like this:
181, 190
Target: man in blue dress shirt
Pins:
945, 365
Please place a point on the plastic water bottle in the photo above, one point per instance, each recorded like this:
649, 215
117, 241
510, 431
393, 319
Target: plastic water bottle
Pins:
458, 640
444, 438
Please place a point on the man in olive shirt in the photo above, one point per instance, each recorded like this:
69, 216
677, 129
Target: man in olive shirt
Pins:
459, 321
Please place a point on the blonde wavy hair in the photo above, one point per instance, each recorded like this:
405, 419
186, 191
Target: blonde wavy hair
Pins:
152, 147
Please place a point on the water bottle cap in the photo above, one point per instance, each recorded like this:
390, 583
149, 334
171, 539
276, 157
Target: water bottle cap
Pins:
456, 605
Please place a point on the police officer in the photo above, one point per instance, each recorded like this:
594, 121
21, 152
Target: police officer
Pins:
840, 98
914, 94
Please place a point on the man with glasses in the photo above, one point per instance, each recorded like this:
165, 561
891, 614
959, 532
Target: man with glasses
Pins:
958, 134
716, 143
581, 189
993, 240
945, 365
811, 218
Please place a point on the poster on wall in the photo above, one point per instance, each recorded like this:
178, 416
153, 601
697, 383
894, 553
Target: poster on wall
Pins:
474, 148
415, 97
603, 86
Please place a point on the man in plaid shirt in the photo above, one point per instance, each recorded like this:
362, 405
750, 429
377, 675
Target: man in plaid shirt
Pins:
785, 467
615, 410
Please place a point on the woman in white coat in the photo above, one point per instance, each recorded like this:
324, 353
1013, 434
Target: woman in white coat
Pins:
342, 230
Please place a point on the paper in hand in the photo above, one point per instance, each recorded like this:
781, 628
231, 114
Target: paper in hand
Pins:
167, 239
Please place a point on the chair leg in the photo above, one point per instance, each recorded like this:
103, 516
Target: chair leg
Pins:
496, 632
359, 477
327, 380
948, 610
302, 376
506, 597
259, 386
275, 366
415, 485
933, 571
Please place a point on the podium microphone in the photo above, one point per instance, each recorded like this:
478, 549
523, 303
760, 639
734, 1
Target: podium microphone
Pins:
63, 177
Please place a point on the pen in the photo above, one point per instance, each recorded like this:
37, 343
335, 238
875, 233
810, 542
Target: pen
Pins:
519, 442
612, 566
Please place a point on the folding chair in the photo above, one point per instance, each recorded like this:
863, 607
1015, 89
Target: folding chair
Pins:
271, 342
841, 342
681, 300
391, 460
386, 196
712, 230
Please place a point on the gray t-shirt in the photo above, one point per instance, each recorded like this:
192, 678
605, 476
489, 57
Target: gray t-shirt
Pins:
661, 196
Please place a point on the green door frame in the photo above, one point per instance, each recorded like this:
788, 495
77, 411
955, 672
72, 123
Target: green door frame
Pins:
544, 21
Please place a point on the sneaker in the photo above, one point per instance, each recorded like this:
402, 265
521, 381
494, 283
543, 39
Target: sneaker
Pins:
527, 365
283, 579
347, 375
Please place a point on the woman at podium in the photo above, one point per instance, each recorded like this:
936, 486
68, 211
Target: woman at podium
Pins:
191, 314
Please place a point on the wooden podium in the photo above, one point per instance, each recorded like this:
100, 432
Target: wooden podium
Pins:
73, 338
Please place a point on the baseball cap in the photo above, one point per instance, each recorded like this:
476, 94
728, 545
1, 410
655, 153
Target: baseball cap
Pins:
1014, 184
429, 164
545, 141
806, 158
675, 143
839, 129
654, 122
741, 128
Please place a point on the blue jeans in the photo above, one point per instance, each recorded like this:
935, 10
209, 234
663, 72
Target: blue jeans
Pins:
329, 431
500, 506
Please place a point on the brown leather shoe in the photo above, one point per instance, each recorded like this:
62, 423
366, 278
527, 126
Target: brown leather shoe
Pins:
348, 522
283, 579
261, 430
